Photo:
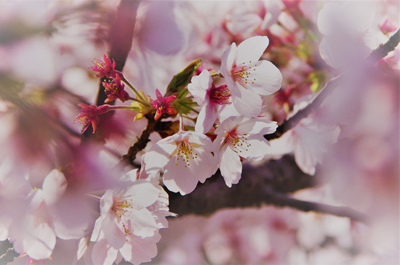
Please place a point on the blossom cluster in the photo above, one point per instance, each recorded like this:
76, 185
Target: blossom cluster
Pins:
251, 67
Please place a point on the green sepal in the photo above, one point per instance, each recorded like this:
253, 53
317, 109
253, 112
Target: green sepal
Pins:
180, 80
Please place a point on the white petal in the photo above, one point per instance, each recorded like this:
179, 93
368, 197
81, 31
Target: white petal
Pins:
159, 155
206, 118
227, 61
143, 193
142, 223
304, 159
103, 253
138, 250
255, 147
199, 86
251, 49
54, 186
178, 178
112, 232
249, 104
267, 78
258, 126
230, 166
204, 166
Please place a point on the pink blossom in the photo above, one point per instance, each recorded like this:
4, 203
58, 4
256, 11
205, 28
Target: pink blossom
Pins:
246, 77
115, 90
106, 68
90, 115
162, 105
239, 137
186, 159
208, 96
387, 26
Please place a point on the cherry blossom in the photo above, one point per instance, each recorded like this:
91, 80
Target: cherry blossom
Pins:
211, 99
247, 77
186, 159
123, 211
115, 90
240, 137
105, 68
90, 115
162, 105
130, 216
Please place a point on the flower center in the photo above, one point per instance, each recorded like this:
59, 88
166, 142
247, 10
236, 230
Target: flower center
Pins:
220, 95
122, 206
185, 152
237, 142
242, 73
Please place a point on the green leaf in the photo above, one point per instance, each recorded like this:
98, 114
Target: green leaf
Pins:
180, 80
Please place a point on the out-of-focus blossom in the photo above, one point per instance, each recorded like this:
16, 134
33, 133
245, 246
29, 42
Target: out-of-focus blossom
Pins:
35, 229
105, 68
186, 159
309, 140
344, 26
162, 105
240, 137
131, 215
252, 16
115, 90
246, 77
208, 96
388, 26
90, 115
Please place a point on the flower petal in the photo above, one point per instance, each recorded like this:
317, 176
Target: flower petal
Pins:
267, 78
230, 166
249, 104
251, 49
199, 86
178, 178
207, 117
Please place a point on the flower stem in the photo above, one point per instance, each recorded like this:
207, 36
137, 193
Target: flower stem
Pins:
216, 74
142, 100
120, 107
180, 122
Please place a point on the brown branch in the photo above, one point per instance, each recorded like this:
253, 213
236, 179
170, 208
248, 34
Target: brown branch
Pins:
283, 200
142, 141
373, 57
261, 185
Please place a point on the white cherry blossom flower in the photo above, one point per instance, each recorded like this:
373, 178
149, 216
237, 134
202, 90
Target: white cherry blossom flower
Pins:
186, 159
135, 250
240, 137
123, 211
210, 98
247, 77
131, 215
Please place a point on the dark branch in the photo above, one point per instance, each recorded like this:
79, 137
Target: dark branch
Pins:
260, 185
374, 57
141, 142
121, 37
282, 200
